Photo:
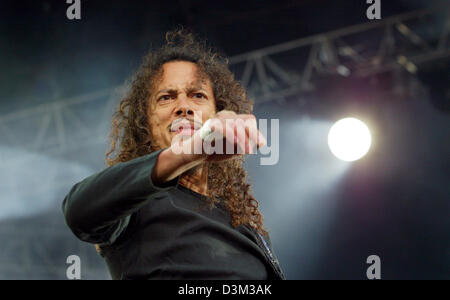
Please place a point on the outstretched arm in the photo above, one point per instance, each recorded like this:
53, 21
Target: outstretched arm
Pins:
98, 208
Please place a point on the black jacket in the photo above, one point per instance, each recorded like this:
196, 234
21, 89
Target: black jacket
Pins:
151, 232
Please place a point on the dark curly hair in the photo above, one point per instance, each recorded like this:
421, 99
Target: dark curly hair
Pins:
131, 136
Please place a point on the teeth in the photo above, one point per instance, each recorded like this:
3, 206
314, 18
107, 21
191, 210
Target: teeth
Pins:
178, 125
182, 127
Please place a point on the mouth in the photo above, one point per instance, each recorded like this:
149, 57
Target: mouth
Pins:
184, 127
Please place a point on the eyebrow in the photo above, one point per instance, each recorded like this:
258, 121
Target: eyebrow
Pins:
166, 91
196, 86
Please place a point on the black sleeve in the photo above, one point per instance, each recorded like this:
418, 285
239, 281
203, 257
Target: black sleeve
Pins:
98, 208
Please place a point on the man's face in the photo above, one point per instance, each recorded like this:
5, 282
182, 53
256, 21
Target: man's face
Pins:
180, 102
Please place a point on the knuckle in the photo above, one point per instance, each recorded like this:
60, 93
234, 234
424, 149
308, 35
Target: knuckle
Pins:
239, 121
215, 123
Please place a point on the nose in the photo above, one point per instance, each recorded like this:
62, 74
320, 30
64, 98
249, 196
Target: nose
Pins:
183, 108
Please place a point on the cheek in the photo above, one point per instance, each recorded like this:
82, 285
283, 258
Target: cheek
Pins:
206, 115
160, 136
155, 123
211, 111
156, 116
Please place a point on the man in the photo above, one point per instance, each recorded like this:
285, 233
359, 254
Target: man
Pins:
160, 213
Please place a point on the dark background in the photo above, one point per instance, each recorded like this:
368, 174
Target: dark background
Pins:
325, 216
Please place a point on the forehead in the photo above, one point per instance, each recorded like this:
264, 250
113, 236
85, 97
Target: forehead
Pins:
181, 74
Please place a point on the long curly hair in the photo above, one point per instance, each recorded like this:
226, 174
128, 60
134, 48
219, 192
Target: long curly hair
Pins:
131, 136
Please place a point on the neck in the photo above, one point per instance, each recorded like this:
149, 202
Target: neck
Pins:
196, 179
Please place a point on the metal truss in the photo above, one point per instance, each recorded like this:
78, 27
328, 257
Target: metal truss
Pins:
361, 50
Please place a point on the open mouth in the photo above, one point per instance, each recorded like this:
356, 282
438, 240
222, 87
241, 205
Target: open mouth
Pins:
184, 127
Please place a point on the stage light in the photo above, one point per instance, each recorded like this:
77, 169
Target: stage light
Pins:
349, 139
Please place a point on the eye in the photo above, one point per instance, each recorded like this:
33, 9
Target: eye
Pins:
164, 98
199, 96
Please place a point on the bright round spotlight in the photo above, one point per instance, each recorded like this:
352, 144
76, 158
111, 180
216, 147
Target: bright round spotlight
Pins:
349, 139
